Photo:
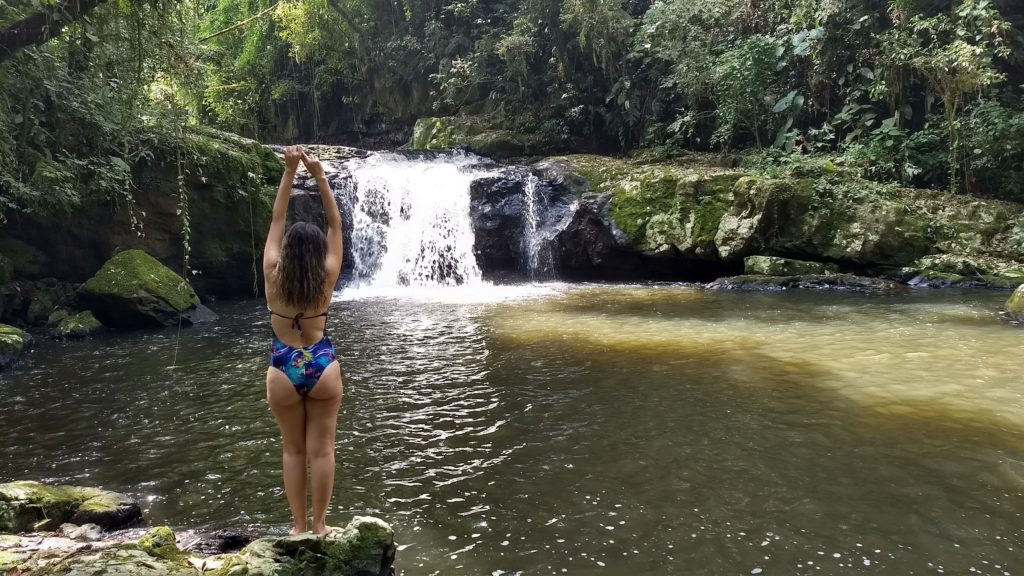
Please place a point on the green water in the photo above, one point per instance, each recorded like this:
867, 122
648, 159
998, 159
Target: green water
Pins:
580, 430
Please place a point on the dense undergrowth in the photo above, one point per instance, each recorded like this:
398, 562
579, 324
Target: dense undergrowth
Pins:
901, 92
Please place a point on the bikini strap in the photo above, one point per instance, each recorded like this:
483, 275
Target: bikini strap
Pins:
297, 319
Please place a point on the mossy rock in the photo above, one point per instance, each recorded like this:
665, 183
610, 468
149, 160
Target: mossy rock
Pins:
476, 135
81, 325
13, 344
774, 266
1015, 305
134, 290
25, 505
661, 206
366, 547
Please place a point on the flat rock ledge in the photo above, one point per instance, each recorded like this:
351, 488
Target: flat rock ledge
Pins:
365, 547
848, 282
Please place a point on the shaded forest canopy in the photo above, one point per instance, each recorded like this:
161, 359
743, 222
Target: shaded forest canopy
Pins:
910, 92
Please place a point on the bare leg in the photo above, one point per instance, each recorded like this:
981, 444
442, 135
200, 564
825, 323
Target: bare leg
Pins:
321, 423
290, 412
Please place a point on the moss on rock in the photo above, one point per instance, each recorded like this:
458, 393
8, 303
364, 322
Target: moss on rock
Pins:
80, 325
13, 344
24, 504
476, 135
1015, 305
134, 290
773, 266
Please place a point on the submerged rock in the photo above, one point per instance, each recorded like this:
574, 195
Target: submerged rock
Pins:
1015, 305
366, 547
26, 506
849, 282
773, 266
13, 344
134, 290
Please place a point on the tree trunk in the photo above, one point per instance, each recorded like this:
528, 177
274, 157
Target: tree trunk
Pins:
42, 26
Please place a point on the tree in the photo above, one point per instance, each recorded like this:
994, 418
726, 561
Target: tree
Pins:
42, 26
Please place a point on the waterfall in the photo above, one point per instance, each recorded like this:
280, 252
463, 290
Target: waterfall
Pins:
538, 248
411, 220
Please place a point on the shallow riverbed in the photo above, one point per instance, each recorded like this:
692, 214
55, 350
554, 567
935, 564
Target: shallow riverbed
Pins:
579, 429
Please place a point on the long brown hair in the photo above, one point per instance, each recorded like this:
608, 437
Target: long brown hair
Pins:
300, 272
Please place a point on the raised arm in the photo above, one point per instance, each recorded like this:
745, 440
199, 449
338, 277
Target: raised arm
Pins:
334, 236
275, 237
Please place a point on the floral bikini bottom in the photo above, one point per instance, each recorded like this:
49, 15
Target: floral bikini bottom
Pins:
303, 366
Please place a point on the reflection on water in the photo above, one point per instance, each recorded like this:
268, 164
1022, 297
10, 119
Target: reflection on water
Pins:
580, 430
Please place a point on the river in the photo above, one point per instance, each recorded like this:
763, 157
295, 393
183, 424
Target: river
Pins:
578, 429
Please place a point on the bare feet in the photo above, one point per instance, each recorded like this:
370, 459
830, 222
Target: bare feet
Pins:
323, 529
296, 531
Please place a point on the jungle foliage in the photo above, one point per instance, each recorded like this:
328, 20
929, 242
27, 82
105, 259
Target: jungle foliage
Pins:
911, 92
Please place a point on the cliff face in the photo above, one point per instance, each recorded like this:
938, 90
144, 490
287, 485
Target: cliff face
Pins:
228, 182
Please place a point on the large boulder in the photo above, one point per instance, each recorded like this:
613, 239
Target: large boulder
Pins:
26, 506
366, 547
516, 217
13, 344
1015, 305
134, 290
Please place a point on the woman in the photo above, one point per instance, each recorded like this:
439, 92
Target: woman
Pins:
304, 387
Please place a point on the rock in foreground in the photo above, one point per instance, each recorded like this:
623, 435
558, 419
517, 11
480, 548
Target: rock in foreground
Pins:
27, 506
134, 290
13, 343
1015, 305
366, 547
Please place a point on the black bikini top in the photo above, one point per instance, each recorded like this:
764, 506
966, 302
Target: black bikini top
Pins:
297, 319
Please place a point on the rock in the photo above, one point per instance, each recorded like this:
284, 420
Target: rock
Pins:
81, 325
86, 532
509, 244
134, 290
478, 136
773, 266
365, 547
13, 344
1015, 305
933, 279
33, 506
160, 543
219, 542
6, 269
831, 281
229, 182
687, 220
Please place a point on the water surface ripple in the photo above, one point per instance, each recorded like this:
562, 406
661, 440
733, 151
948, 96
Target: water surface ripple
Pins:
584, 430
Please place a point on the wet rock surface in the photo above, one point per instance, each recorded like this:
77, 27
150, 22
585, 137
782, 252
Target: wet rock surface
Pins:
365, 547
26, 506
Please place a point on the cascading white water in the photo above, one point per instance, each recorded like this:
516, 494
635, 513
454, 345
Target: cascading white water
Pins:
411, 221
538, 250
